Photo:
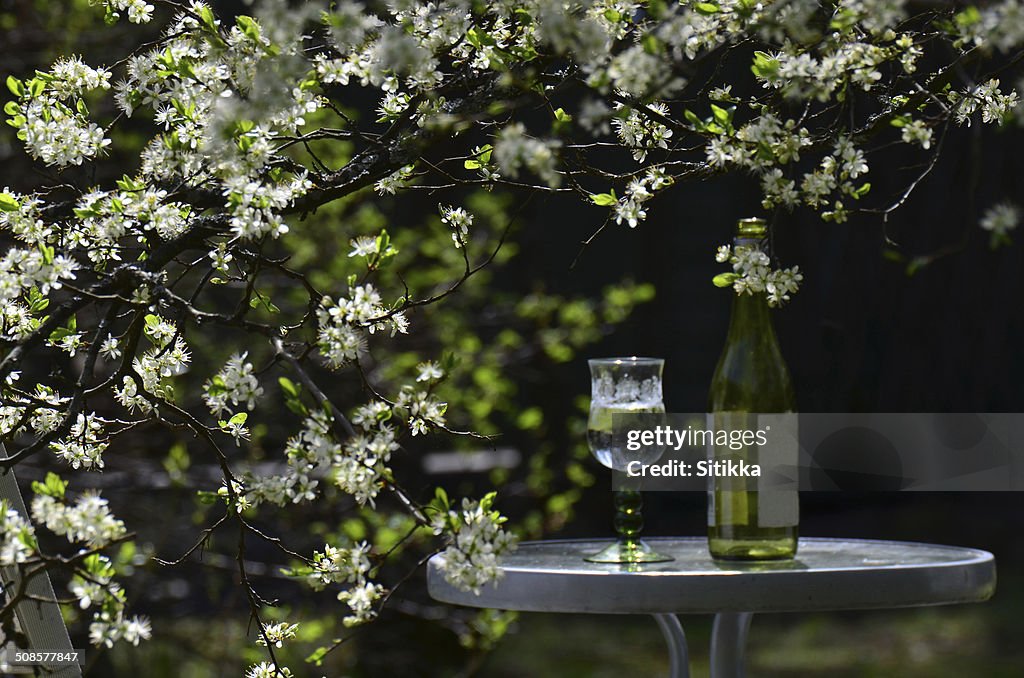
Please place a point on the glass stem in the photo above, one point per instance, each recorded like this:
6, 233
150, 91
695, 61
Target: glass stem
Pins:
628, 518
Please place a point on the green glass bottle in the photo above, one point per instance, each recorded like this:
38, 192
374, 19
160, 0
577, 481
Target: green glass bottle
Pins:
751, 377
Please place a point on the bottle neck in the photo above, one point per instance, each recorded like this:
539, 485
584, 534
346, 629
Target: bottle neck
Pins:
751, 319
751, 375
750, 314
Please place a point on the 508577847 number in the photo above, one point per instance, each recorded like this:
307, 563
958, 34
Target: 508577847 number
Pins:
16, 657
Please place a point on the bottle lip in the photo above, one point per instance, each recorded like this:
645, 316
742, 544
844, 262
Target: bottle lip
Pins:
752, 227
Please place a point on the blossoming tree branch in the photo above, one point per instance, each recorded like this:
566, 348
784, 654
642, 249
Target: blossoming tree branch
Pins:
610, 101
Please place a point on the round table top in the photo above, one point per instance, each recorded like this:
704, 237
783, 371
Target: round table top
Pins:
827, 574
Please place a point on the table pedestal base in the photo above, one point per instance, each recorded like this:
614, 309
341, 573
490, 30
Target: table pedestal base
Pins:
678, 656
728, 644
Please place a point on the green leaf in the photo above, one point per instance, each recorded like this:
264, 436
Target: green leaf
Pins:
893, 255
442, 498
129, 185
239, 418
652, 45
296, 406
725, 279
12, 108
723, 116
207, 18
8, 203
482, 158
657, 8
999, 240
288, 386
317, 656
968, 17
843, 20
916, 264
58, 334
126, 554
249, 27
604, 199
478, 38
16, 86
863, 190
706, 8
37, 302
260, 299
53, 486
764, 65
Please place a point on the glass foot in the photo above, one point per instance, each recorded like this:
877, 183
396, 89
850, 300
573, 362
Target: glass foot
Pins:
628, 552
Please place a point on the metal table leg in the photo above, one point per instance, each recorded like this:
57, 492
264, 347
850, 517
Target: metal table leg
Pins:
729, 644
678, 656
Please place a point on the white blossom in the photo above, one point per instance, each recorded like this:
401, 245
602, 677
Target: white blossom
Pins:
349, 566
459, 220
106, 629
17, 537
995, 105
85, 443
395, 181
268, 670
110, 349
88, 520
429, 371
277, 633
139, 11
917, 132
234, 384
753, 274
477, 543
1001, 218
514, 150
642, 131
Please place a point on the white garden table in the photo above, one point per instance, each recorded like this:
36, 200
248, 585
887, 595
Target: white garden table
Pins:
827, 574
